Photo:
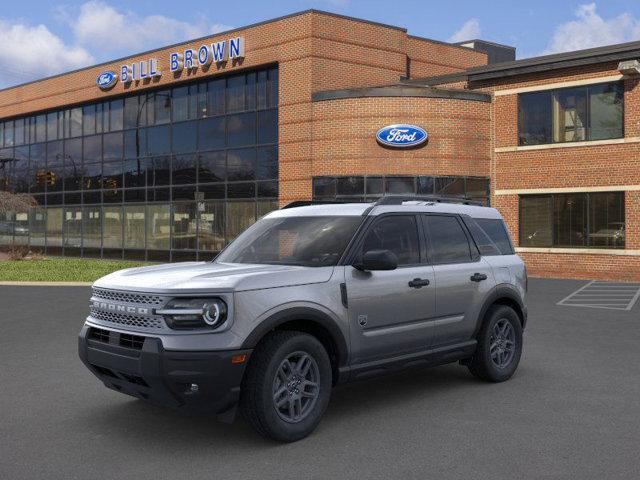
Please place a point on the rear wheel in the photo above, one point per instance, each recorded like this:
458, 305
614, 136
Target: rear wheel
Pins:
499, 345
287, 386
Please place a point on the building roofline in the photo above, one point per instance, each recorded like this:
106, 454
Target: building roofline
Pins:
556, 61
495, 44
436, 79
440, 42
225, 32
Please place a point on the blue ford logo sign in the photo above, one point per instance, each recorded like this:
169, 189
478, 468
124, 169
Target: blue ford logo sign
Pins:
106, 80
401, 136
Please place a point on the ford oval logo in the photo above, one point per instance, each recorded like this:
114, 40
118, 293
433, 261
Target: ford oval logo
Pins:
401, 136
106, 80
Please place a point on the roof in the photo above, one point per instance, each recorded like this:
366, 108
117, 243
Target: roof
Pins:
358, 209
590, 56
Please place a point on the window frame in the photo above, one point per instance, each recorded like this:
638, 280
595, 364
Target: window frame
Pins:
588, 196
552, 93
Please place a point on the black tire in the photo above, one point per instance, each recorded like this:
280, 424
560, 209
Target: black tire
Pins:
257, 401
482, 365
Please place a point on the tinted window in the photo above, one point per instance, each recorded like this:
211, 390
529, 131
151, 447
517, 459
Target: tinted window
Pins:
398, 234
485, 245
448, 242
496, 231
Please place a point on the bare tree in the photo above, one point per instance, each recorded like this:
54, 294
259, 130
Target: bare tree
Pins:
16, 202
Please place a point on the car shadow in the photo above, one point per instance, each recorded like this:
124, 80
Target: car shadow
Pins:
136, 422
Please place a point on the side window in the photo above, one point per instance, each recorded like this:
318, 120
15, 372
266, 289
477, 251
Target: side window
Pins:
497, 232
449, 243
397, 233
486, 246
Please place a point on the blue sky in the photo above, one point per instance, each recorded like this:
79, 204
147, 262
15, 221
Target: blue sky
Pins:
43, 37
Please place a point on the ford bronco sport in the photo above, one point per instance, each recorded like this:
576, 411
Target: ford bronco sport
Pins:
309, 297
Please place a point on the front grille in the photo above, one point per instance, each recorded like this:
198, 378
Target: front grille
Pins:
124, 297
128, 320
131, 341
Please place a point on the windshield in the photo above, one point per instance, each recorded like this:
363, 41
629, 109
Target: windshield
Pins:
305, 241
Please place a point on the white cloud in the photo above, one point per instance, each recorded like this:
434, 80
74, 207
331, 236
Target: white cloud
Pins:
104, 29
591, 30
469, 31
28, 52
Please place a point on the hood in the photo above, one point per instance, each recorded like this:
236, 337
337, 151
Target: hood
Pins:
194, 277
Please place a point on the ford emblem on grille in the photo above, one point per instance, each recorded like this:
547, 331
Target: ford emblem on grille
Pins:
106, 80
113, 307
401, 136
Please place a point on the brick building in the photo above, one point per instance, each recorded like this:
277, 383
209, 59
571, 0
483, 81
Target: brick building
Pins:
169, 154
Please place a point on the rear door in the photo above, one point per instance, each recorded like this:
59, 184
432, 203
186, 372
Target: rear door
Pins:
390, 311
463, 278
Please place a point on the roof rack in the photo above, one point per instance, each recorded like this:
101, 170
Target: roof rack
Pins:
307, 203
400, 199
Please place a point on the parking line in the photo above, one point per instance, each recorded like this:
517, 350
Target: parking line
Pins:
612, 296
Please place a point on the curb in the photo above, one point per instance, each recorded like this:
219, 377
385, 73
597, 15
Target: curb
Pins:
47, 284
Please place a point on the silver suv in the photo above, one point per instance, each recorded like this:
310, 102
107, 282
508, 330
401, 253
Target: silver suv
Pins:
309, 297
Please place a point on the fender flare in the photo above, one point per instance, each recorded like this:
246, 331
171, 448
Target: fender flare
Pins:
309, 314
501, 291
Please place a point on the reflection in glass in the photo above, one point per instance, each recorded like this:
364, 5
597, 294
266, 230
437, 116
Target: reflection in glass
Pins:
240, 215
73, 227
134, 226
112, 226
184, 226
211, 226
158, 227
92, 227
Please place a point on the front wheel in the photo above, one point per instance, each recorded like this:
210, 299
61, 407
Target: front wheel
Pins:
499, 345
287, 386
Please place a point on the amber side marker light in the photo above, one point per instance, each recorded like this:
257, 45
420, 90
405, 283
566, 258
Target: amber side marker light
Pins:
238, 359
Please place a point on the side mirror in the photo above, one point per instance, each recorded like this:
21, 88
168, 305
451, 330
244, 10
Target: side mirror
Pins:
378, 260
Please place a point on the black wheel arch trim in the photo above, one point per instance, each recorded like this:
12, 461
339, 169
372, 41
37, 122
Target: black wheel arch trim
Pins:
301, 314
502, 291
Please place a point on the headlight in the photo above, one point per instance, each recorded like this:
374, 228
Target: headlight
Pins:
192, 313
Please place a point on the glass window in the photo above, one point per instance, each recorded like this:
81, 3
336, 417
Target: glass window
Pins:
350, 186
158, 227
496, 230
112, 226
201, 103
375, 186
131, 112
240, 215
161, 171
241, 129
268, 126
478, 189
6, 228
112, 175
272, 88
52, 126
54, 227
135, 172
268, 189
570, 115
241, 190
116, 115
606, 106
215, 97
261, 89
448, 242
162, 107
212, 167
135, 143
235, 93
211, 226
38, 169
398, 234
134, 226
112, 145
158, 140
41, 129
211, 133
570, 220
37, 226
308, 241
92, 227
267, 167
8, 134
400, 185
592, 112
19, 131
102, 117
485, 245
180, 102
89, 120
536, 220
426, 185
184, 169
324, 187
250, 91
73, 227
241, 164
75, 122
21, 169
92, 178
450, 186
92, 149
606, 220
184, 226
184, 137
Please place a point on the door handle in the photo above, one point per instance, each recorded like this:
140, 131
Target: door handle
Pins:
418, 283
478, 277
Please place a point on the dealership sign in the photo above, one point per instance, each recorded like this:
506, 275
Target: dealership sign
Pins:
401, 136
189, 59
106, 80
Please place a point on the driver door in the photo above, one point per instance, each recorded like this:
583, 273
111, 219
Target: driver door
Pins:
387, 315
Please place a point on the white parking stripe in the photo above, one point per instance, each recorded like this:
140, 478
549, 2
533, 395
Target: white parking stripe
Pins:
612, 296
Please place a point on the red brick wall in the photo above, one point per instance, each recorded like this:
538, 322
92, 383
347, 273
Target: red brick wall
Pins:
429, 58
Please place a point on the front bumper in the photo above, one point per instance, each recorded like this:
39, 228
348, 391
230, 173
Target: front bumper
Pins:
139, 366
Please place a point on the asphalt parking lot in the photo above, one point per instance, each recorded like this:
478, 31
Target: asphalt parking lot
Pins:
571, 411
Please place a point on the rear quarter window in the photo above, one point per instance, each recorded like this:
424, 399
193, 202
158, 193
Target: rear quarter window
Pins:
496, 231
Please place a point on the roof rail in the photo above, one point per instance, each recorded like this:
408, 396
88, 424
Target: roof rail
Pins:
400, 199
307, 203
